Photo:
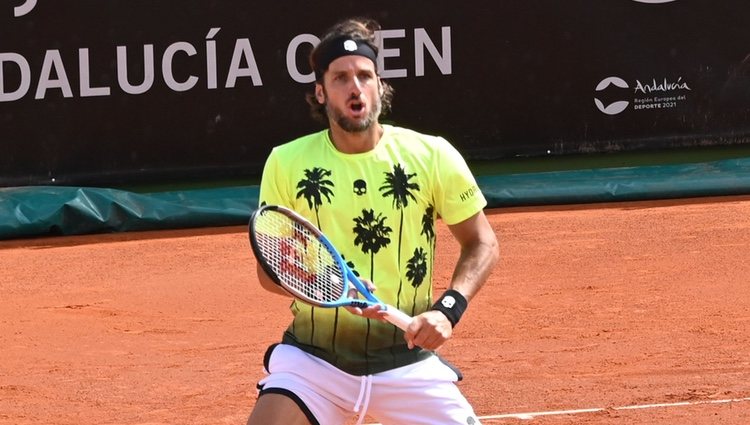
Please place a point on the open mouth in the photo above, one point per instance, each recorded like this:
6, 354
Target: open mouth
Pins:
357, 107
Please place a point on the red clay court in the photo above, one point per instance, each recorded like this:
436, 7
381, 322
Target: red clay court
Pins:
621, 313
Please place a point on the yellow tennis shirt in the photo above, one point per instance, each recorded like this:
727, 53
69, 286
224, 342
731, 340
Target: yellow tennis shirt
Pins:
378, 208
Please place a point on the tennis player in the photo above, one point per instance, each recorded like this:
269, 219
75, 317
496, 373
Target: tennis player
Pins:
376, 191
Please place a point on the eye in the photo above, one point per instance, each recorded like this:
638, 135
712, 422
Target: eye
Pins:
338, 78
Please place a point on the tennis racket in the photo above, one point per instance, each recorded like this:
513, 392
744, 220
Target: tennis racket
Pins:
299, 258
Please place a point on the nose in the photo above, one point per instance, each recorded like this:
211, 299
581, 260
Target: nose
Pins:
356, 87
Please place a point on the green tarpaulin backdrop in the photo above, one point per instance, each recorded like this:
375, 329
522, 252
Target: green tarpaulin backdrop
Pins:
53, 210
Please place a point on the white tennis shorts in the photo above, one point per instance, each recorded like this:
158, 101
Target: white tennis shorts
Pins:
423, 393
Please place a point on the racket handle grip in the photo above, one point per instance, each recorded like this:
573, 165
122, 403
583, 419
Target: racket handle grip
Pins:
397, 317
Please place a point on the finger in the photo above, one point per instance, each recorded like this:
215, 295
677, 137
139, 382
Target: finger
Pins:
375, 312
354, 310
369, 285
433, 342
353, 293
411, 332
429, 340
371, 312
420, 339
428, 331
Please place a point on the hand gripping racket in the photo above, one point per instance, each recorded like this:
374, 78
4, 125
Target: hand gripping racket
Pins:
299, 258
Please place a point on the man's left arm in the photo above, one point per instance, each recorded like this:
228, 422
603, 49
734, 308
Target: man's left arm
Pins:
479, 254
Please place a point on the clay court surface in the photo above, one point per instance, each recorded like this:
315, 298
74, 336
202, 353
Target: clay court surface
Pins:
643, 305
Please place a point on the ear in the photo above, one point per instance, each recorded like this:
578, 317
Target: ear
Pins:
320, 94
381, 89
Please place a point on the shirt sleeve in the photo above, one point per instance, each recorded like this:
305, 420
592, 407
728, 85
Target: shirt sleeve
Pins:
457, 195
273, 183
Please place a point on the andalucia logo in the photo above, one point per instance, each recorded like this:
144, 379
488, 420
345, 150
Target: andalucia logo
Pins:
655, 94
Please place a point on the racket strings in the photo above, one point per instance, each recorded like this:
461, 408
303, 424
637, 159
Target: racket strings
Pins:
299, 259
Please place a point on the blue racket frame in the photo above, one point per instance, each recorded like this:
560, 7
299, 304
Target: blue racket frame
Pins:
393, 315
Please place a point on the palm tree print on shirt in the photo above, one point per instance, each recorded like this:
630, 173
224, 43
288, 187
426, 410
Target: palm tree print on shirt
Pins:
397, 185
313, 187
428, 230
372, 234
416, 270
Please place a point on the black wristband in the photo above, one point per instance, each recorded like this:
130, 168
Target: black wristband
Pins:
452, 304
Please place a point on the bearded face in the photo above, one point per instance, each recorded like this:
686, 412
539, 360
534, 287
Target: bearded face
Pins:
351, 93
355, 125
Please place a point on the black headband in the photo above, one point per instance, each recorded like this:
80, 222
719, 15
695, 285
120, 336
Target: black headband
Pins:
343, 46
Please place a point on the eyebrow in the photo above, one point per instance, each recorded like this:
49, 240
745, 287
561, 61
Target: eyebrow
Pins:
355, 71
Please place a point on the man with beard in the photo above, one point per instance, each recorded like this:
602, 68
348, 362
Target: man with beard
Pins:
376, 191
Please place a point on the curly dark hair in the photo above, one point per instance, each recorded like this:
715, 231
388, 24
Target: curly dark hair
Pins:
359, 29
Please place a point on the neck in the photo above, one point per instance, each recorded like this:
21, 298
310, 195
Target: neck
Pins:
359, 142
